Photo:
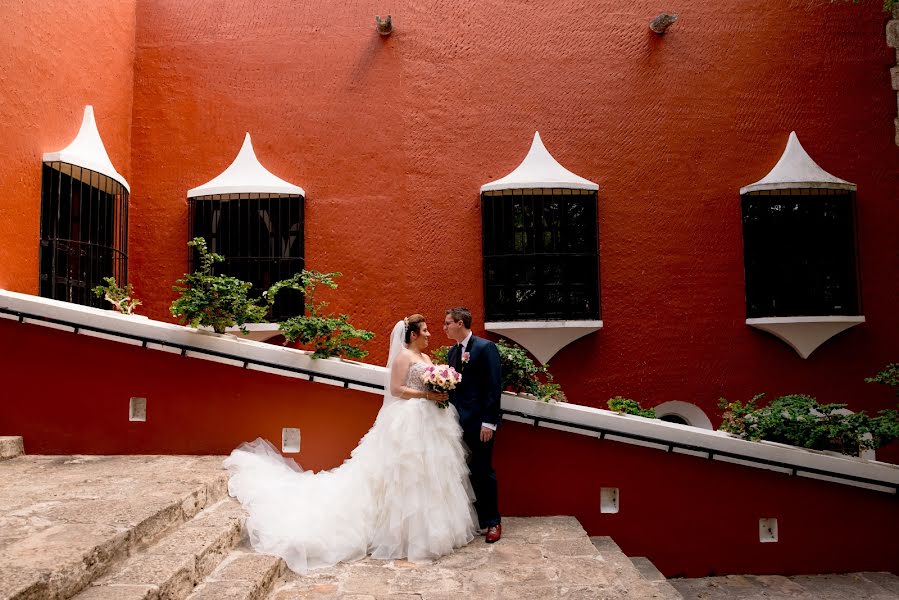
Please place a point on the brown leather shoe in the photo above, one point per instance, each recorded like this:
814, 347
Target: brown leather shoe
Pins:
493, 534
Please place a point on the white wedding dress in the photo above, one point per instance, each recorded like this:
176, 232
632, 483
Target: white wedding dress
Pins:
403, 493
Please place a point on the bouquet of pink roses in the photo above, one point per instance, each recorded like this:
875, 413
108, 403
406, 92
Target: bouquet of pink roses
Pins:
441, 378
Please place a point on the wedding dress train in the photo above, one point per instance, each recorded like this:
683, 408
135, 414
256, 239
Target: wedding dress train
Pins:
403, 493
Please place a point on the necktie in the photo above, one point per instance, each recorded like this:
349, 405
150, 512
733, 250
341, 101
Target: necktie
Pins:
458, 357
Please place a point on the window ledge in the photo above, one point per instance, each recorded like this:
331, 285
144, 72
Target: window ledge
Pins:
805, 334
543, 338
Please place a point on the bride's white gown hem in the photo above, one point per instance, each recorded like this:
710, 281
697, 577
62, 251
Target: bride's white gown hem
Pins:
403, 493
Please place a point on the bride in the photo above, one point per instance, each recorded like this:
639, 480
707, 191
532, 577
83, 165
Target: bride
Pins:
403, 493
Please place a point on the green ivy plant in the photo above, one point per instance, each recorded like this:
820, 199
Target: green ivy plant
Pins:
630, 407
439, 355
886, 423
327, 334
217, 301
519, 372
799, 420
122, 298
889, 376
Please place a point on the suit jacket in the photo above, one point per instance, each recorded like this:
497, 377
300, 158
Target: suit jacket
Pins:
477, 396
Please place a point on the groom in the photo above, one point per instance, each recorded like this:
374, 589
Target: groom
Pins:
476, 398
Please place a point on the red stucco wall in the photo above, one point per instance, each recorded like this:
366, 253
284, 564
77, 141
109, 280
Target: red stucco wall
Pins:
56, 56
690, 516
75, 399
391, 138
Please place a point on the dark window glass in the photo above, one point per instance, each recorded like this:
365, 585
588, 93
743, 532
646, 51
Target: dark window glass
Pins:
541, 257
799, 253
261, 239
84, 233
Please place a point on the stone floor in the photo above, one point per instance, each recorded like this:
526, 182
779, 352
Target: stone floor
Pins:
851, 586
538, 558
163, 528
65, 519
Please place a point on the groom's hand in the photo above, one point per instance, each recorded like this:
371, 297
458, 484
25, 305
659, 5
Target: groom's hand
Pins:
486, 434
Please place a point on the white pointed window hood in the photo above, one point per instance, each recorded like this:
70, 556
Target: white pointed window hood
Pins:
794, 171
539, 170
797, 170
246, 176
88, 152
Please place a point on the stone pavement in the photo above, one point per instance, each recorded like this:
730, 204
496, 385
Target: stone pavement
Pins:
851, 586
538, 558
65, 519
163, 528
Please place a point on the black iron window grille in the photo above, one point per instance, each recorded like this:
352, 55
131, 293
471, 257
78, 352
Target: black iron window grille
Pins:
541, 257
84, 233
260, 236
799, 253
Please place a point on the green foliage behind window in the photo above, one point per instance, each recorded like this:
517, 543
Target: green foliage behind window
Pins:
326, 334
217, 301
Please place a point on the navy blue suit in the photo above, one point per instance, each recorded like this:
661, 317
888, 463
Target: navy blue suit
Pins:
477, 398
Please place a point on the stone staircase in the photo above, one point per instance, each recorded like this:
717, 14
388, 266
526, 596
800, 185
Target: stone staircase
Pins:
163, 528
112, 526
851, 586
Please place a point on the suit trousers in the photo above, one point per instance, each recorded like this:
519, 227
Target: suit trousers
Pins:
483, 477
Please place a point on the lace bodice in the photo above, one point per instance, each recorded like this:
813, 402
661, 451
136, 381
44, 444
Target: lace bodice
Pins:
413, 380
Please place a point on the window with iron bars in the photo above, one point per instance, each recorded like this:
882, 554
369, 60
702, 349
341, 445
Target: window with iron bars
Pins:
541, 258
799, 253
261, 238
84, 233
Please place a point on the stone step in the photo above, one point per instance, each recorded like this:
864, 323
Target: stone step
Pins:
176, 563
11, 446
65, 520
243, 575
639, 570
651, 574
855, 586
537, 558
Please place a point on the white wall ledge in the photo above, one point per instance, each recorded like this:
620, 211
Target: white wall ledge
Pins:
573, 418
805, 334
543, 339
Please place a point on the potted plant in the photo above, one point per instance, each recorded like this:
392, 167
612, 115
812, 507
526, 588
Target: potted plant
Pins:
328, 335
798, 420
122, 298
216, 301
626, 406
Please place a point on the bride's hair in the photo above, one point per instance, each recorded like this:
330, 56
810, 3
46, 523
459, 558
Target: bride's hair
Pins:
413, 323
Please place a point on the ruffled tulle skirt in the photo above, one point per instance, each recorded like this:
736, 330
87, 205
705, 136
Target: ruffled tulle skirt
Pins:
403, 493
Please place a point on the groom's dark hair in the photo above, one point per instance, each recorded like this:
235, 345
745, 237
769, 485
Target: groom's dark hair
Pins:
460, 314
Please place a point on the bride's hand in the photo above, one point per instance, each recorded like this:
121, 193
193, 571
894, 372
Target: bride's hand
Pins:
437, 396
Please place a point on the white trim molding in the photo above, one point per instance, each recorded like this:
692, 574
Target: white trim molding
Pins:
543, 338
573, 418
246, 175
88, 152
797, 170
540, 170
805, 334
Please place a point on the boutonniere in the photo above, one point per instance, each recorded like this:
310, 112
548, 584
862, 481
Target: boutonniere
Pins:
466, 356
